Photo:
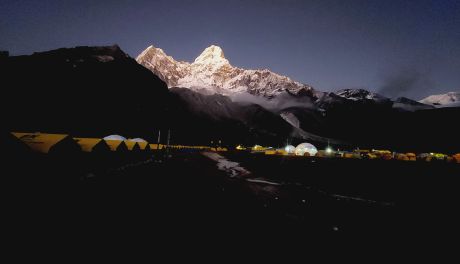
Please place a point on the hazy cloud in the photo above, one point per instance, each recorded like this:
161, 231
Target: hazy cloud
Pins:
275, 104
409, 82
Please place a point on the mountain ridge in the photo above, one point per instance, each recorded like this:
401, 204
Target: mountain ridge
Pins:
211, 72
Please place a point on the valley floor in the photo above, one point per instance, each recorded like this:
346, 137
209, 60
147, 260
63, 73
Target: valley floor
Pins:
231, 195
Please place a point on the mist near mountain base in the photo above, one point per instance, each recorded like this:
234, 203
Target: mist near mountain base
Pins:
410, 82
275, 104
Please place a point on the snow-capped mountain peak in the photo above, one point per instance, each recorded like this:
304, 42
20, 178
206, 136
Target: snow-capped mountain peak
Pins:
212, 55
211, 72
162, 65
442, 99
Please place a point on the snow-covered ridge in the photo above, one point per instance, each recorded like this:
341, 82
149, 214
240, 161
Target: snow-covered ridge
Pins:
212, 72
359, 94
442, 99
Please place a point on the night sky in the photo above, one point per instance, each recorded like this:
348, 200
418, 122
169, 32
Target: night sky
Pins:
397, 48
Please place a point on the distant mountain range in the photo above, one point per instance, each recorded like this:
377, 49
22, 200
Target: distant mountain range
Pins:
100, 91
212, 73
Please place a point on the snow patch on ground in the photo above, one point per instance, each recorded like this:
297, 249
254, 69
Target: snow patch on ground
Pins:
263, 181
356, 199
291, 119
232, 168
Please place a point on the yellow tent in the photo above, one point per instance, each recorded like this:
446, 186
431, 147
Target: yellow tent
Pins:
142, 144
113, 144
39, 142
87, 144
411, 156
258, 148
401, 156
130, 144
155, 146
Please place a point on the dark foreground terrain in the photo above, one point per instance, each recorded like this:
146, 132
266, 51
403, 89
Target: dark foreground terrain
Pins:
191, 197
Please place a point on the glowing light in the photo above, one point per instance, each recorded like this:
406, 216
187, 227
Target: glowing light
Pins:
289, 149
328, 150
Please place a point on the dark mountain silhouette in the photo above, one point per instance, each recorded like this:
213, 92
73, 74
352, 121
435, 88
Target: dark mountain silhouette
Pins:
368, 120
84, 90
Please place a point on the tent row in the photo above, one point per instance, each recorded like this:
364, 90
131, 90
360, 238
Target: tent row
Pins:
44, 142
307, 149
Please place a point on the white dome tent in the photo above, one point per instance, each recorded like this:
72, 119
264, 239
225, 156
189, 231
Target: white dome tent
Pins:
115, 137
304, 148
137, 140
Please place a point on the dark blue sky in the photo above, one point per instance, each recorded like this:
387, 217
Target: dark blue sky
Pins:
396, 47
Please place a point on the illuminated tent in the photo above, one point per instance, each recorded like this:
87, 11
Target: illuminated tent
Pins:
457, 157
130, 144
156, 146
305, 149
140, 142
87, 144
115, 137
113, 144
114, 141
136, 144
290, 149
39, 142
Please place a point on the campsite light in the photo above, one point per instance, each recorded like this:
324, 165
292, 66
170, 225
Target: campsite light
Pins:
289, 149
328, 150
240, 147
